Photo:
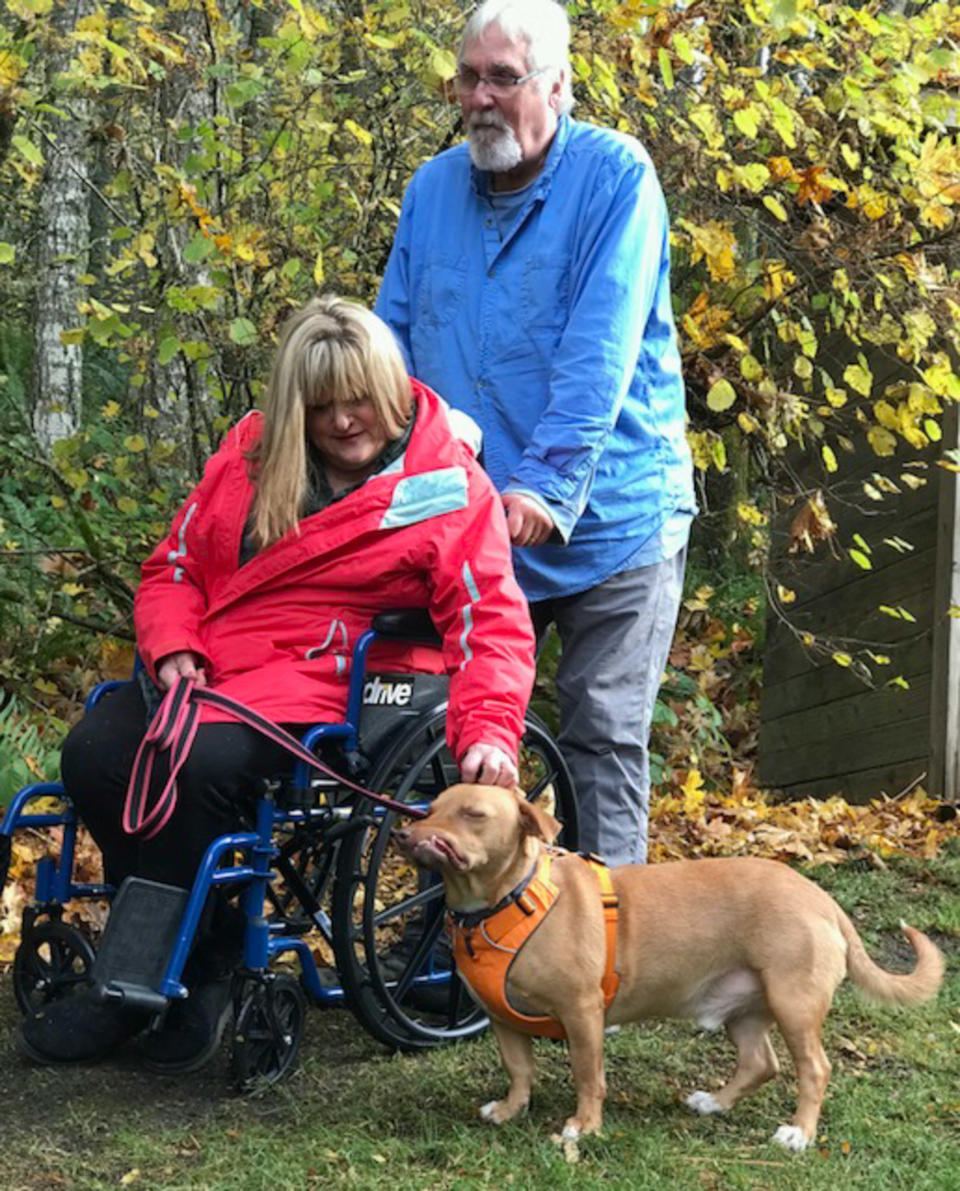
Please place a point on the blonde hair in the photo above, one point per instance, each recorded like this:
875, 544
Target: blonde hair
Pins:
332, 349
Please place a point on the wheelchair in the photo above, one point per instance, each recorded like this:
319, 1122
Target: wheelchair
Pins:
315, 873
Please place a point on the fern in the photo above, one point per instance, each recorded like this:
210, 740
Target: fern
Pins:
26, 756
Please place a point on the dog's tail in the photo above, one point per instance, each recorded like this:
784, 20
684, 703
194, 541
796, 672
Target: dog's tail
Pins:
909, 988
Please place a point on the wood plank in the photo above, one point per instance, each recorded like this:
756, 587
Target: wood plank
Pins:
834, 586
860, 711
828, 682
823, 730
809, 577
945, 707
886, 745
785, 657
863, 466
862, 785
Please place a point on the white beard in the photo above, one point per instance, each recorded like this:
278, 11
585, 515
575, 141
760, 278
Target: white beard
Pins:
493, 145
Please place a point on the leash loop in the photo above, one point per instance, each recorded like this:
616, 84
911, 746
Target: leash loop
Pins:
173, 730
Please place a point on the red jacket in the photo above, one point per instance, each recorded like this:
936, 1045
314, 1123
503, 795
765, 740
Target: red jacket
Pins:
277, 633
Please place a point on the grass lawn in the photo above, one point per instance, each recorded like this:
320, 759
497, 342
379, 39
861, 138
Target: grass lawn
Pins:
354, 1116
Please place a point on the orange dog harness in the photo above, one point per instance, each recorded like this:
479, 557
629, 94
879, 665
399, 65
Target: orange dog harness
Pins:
485, 945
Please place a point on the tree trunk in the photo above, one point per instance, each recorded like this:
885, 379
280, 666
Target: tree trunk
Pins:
186, 99
62, 248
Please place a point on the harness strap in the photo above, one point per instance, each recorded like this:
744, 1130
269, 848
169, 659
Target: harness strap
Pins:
173, 730
611, 911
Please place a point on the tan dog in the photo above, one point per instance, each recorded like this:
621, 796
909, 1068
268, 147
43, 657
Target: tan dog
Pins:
741, 943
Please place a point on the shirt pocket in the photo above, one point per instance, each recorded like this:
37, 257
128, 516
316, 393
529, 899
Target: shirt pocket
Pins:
442, 290
546, 292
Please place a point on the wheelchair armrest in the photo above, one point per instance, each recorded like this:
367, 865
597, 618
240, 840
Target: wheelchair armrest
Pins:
407, 624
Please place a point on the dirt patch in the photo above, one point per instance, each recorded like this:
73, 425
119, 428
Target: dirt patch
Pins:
892, 951
72, 1108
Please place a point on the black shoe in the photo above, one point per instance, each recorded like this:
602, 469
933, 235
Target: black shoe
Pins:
78, 1030
191, 1030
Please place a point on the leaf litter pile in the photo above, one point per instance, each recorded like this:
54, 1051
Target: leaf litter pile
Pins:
694, 822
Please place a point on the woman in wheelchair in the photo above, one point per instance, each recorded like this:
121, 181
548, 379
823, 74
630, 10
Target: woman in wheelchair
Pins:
349, 494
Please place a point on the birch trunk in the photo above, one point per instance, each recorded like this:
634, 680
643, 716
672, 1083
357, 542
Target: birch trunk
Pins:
62, 249
180, 387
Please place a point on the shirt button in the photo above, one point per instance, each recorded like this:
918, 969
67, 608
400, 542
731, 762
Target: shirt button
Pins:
491, 272
488, 221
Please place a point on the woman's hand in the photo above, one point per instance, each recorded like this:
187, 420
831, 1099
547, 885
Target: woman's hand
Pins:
185, 664
489, 766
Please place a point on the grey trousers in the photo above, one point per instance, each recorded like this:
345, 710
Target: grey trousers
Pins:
614, 639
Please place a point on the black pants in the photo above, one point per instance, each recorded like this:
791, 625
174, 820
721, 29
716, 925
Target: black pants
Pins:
218, 784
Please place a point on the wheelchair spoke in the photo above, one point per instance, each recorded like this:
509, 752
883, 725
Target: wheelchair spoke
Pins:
420, 952
439, 774
548, 779
423, 897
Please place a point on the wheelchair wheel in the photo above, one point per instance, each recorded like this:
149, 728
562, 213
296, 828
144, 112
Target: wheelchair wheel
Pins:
388, 917
269, 1027
52, 961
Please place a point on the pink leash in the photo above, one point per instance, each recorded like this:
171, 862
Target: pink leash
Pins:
173, 730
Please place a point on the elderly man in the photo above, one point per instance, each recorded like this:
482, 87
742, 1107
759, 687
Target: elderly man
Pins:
529, 285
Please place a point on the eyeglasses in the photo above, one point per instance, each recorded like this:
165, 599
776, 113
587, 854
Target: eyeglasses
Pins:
500, 81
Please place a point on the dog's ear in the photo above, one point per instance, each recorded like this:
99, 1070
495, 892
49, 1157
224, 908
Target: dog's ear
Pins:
535, 821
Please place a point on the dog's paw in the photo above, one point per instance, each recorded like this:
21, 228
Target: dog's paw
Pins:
499, 1111
703, 1103
792, 1138
575, 1128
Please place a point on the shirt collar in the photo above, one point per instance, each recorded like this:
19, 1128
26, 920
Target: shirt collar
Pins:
480, 179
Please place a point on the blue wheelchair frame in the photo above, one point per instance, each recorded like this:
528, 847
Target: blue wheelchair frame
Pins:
263, 939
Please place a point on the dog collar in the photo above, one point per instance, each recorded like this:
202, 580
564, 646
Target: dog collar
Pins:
468, 919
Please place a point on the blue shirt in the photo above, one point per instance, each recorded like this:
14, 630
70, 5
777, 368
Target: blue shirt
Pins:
557, 337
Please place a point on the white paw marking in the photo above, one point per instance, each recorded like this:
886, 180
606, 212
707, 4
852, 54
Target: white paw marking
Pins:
570, 1132
792, 1138
489, 1111
703, 1103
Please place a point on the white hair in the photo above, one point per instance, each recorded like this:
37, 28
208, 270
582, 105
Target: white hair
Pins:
542, 24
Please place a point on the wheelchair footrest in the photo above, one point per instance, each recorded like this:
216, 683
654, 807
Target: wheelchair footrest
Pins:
137, 943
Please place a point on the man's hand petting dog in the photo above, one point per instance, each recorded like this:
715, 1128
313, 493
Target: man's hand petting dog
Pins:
741, 943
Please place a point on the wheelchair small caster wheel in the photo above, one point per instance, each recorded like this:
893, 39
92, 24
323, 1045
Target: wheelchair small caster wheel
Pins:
269, 1026
52, 961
